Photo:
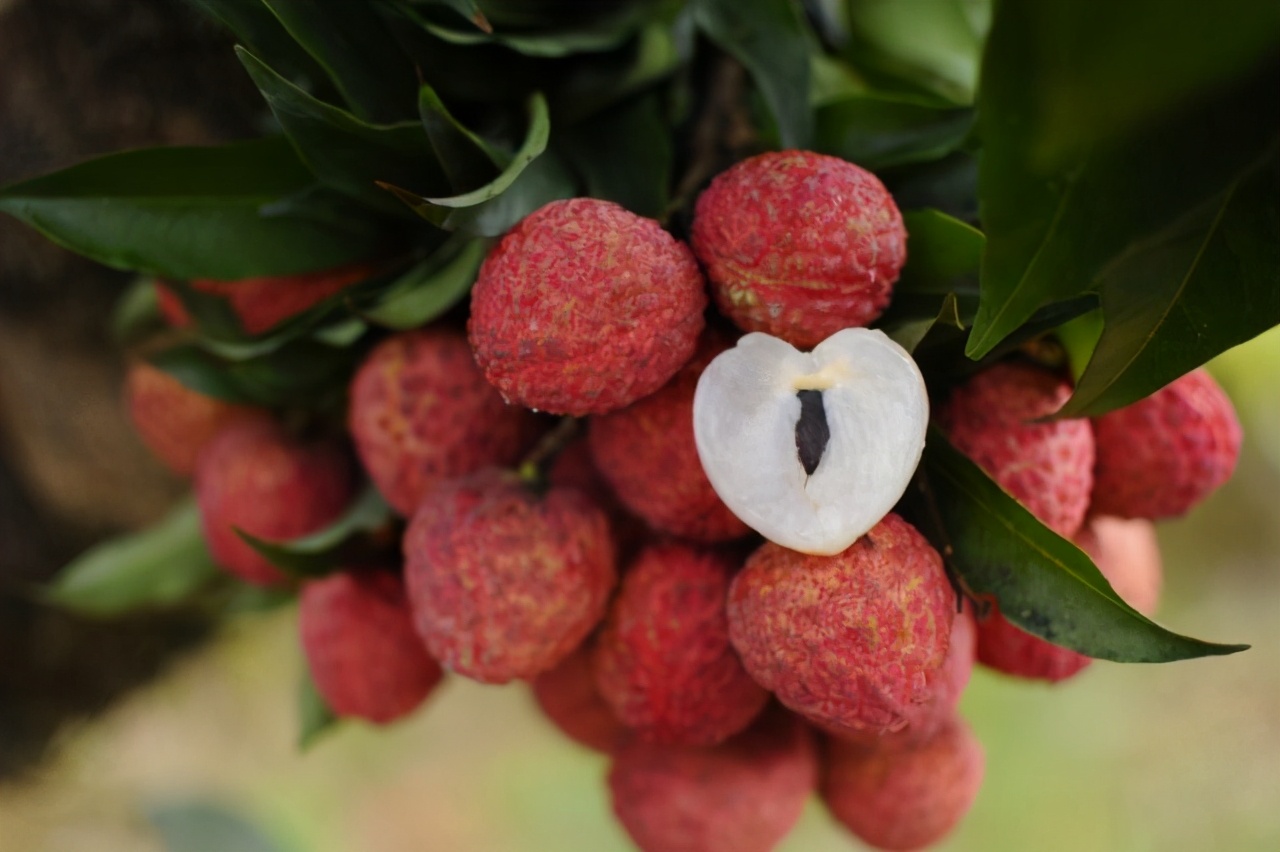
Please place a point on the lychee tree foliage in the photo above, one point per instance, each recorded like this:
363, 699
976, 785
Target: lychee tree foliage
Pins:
1093, 185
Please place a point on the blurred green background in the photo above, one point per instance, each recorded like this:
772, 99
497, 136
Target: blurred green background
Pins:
1172, 757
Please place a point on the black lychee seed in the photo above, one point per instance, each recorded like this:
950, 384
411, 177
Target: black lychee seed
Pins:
812, 431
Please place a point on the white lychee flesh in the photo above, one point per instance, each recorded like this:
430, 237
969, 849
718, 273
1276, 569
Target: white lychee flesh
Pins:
745, 413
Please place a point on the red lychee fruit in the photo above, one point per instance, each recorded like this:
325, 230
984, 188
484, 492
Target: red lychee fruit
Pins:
264, 302
799, 245
647, 453
903, 795
743, 795
505, 583
947, 684
174, 421
1046, 466
663, 660
366, 659
1127, 554
568, 696
574, 468
421, 412
255, 477
850, 641
584, 308
1162, 455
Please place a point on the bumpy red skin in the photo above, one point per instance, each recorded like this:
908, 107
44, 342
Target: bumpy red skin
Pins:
1048, 467
255, 477
421, 412
365, 658
647, 453
1127, 554
799, 245
504, 583
568, 696
850, 641
741, 796
1163, 455
174, 421
584, 308
663, 660
903, 796
574, 468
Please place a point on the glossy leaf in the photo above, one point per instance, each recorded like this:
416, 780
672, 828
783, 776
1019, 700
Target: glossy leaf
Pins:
624, 154
157, 567
1042, 582
943, 258
323, 551
303, 373
315, 717
189, 213
773, 41
466, 158
255, 26
429, 289
876, 131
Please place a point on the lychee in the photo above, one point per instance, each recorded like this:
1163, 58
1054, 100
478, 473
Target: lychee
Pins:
584, 308
573, 467
255, 477
174, 421
365, 658
811, 449
504, 582
743, 795
1162, 455
799, 245
647, 453
567, 695
1047, 466
421, 412
852, 641
899, 795
663, 660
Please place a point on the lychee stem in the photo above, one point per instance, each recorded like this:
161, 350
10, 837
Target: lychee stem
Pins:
533, 465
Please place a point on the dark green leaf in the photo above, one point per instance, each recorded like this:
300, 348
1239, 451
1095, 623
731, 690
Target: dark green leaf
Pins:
188, 212
468, 160
430, 288
255, 26
303, 373
362, 58
1170, 304
206, 827
157, 567
598, 81
773, 41
344, 152
876, 131
550, 30
1043, 583
470, 10
945, 329
315, 716
136, 311
624, 154
943, 257
324, 550
1051, 233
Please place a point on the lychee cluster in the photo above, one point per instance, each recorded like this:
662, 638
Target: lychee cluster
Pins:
713, 585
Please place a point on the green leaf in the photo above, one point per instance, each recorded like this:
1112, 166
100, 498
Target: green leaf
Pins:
943, 258
467, 159
254, 25
547, 31
324, 550
315, 716
1042, 582
361, 56
770, 38
946, 329
877, 130
157, 567
624, 154
136, 311
344, 152
429, 289
1052, 232
206, 827
188, 213
302, 373
1210, 282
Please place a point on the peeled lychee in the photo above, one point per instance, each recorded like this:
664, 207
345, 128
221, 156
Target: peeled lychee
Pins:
1162, 455
852, 641
584, 308
743, 795
421, 412
255, 477
1046, 466
568, 696
365, 658
174, 421
505, 583
799, 245
899, 795
647, 453
811, 449
663, 660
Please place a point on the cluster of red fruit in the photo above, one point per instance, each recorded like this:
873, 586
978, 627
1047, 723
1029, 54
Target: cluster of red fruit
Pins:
585, 309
